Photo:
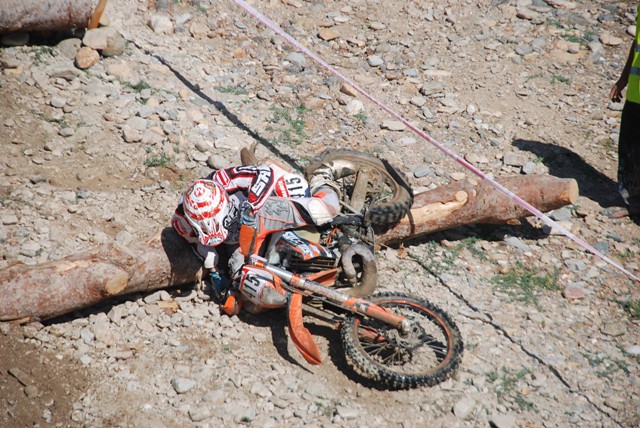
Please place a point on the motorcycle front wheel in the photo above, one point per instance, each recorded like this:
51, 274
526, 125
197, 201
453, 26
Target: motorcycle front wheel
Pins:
368, 183
427, 354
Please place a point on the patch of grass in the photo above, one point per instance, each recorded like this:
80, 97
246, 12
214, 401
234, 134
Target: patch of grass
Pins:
572, 38
582, 39
506, 383
327, 409
594, 360
553, 22
41, 52
624, 352
180, 183
448, 260
235, 90
138, 87
533, 76
470, 345
361, 117
626, 254
492, 376
153, 161
632, 307
574, 208
524, 285
606, 366
291, 125
62, 122
559, 78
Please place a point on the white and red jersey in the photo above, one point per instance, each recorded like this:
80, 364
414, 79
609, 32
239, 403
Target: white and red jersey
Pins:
256, 182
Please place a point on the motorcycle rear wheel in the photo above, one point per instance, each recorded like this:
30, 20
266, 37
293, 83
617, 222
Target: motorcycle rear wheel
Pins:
427, 355
389, 195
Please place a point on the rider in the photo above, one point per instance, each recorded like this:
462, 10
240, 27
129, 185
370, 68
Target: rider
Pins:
210, 212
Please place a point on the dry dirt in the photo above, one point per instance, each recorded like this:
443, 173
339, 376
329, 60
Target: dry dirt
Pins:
548, 105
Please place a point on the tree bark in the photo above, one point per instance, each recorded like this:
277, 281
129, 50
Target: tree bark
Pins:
472, 202
51, 289
58, 287
44, 15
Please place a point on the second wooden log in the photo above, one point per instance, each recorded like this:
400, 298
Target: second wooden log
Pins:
472, 202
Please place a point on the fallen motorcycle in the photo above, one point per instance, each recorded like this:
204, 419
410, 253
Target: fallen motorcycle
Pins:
394, 339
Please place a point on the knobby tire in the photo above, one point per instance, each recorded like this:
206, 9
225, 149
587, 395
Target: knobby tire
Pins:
435, 350
380, 213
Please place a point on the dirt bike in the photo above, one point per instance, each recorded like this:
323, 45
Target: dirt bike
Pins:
396, 340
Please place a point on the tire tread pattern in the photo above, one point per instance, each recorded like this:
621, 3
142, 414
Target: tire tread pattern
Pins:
381, 214
391, 379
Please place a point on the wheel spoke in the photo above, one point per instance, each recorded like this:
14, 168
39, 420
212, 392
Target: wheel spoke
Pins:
427, 354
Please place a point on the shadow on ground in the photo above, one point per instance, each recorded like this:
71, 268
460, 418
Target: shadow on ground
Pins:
195, 88
565, 163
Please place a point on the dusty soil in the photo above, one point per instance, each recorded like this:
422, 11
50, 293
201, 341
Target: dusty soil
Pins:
514, 87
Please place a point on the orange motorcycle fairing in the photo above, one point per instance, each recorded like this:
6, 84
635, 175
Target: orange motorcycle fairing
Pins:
300, 335
261, 289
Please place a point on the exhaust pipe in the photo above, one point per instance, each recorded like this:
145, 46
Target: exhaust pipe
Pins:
369, 279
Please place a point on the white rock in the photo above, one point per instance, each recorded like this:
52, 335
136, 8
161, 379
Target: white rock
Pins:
161, 24
393, 125
633, 350
9, 219
464, 407
182, 385
354, 107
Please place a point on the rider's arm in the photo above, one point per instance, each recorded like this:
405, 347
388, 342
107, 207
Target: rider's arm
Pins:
256, 182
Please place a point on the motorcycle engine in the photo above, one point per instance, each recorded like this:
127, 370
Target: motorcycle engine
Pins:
297, 254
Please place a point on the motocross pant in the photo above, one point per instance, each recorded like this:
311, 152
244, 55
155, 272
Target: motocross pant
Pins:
279, 214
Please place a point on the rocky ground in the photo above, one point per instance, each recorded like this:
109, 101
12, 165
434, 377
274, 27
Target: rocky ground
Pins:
97, 147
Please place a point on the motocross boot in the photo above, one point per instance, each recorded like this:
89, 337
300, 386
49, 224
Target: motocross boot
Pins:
325, 175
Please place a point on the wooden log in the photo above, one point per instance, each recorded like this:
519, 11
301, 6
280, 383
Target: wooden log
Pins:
45, 15
473, 202
47, 290
58, 287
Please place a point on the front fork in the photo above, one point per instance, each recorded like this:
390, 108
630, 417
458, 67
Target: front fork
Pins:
352, 304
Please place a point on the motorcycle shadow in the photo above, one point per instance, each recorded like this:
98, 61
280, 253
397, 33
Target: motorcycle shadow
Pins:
337, 355
276, 320
330, 343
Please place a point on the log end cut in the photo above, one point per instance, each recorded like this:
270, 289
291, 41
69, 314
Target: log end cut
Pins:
572, 191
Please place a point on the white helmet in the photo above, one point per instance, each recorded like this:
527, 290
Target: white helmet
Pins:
206, 204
